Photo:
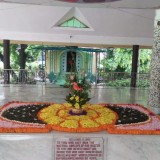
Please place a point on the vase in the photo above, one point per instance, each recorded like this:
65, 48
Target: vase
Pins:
77, 112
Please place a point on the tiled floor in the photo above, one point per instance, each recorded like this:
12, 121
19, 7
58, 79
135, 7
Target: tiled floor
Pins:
40, 146
52, 93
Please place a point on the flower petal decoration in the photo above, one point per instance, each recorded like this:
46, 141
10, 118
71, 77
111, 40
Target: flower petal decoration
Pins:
31, 117
74, 123
21, 117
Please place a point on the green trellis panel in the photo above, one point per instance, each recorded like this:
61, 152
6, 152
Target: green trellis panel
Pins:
51, 60
79, 61
63, 62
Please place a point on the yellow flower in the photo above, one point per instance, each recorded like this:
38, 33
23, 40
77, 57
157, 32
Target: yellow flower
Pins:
69, 124
71, 98
95, 106
67, 105
91, 113
77, 106
97, 115
77, 98
63, 113
88, 123
85, 106
77, 117
104, 120
53, 120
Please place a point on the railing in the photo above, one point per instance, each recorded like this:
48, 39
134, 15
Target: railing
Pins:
122, 79
21, 76
114, 79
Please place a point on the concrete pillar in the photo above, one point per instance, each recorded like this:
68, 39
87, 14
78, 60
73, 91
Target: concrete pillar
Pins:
134, 65
6, 60
22, 62
94, 65
154, 90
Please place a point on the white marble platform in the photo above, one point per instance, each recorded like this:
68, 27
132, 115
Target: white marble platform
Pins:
41, 146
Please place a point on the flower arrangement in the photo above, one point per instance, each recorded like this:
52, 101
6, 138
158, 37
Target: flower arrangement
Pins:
79, 92
44, 117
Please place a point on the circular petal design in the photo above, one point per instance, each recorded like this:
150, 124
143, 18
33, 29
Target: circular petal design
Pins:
97, 118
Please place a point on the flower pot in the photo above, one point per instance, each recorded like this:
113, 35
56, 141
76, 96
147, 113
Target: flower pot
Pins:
77, 111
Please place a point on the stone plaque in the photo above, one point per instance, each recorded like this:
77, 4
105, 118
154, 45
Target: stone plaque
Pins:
79, 148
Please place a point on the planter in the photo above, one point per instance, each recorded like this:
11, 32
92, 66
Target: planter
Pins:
77, 112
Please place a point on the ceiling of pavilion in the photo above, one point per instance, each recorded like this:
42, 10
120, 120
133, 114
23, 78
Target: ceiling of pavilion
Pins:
145, 4
123, 22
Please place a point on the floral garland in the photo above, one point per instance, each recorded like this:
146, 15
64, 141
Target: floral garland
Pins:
114, 118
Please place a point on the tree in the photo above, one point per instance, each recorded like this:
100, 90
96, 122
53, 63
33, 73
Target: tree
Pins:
20, 56
30, 55
144, 60
14, 56
120, 60
24, 58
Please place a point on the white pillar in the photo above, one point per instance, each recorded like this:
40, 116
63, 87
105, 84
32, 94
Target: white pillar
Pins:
94, 67
154, 91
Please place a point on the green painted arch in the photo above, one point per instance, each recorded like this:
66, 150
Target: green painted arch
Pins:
74, 50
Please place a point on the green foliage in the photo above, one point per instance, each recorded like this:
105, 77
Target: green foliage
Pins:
14, 56
120, 60
119, 83
142, 83
126, 83
31, 55
78, 99
1, 48
144, 60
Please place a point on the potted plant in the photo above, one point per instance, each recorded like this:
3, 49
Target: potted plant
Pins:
79, 95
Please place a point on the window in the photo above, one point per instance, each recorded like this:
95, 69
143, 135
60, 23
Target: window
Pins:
73, 23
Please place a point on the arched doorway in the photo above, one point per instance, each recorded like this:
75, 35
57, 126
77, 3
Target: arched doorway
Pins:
71, 61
